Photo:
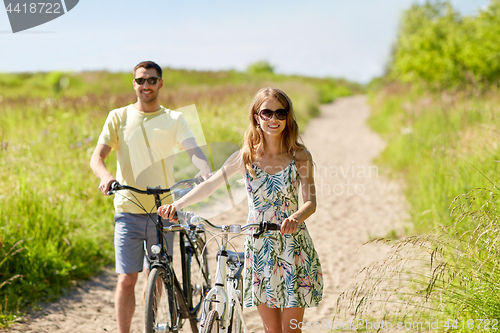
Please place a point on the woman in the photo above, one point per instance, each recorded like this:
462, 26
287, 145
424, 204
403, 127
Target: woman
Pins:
282, 275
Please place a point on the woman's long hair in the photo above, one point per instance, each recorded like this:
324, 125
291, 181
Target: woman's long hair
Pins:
254, 137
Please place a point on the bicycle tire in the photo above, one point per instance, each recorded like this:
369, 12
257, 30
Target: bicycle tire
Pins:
160, 303
235, 322
211, 322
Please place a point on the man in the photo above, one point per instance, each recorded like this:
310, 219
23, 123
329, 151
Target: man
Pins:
128, 131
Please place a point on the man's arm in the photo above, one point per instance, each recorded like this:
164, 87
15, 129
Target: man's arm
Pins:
99, 167
197, 157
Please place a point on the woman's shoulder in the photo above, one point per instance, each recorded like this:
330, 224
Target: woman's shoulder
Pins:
302, 155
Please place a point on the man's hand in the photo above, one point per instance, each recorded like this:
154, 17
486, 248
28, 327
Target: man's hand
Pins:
205, 174
198, 158
168, 212
105, 184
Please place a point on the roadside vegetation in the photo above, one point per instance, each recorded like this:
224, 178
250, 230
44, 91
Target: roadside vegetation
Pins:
56, 228
438, 107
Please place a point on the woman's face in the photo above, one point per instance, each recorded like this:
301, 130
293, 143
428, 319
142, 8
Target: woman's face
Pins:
272, 126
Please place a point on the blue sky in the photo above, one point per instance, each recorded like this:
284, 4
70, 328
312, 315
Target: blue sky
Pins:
340, 38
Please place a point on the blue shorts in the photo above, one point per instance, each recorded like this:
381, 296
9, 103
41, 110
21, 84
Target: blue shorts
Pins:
134, 233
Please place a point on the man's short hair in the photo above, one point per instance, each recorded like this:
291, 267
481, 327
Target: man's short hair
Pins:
147, 65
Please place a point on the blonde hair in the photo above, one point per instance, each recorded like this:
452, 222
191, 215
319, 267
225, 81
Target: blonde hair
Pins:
254, 137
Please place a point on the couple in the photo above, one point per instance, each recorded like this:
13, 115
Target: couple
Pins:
281, 283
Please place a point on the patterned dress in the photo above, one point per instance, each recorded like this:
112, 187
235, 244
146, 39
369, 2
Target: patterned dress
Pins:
281, 271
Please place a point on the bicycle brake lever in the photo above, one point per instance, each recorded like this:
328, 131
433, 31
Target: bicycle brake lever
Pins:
113, 188
261, 230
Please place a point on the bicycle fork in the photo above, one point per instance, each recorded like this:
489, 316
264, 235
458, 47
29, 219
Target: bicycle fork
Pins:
223, 300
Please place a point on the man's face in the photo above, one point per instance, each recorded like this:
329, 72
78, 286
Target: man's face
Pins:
147, 93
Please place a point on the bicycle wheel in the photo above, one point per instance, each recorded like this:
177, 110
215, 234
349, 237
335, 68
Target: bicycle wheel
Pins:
160, 303
235, 321
211, 322
198, 277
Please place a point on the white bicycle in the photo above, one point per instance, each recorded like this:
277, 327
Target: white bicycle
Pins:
222, 310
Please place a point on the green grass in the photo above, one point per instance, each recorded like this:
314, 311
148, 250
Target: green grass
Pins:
56, 228
442, 145
445, 275
442, 132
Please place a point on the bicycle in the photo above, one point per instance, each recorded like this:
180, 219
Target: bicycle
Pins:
227, 294
167, 303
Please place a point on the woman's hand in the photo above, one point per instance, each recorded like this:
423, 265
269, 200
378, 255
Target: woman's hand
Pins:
168, 212
289, 226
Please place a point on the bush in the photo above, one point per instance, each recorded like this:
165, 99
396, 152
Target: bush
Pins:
438, 47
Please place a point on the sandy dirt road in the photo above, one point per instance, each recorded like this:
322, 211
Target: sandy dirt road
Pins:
355, 202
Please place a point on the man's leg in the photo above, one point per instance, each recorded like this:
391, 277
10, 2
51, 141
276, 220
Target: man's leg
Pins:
125, 301
129, 254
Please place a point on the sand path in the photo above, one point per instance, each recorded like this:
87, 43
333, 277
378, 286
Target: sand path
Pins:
355, 202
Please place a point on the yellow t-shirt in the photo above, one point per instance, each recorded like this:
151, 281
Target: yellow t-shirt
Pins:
144, 144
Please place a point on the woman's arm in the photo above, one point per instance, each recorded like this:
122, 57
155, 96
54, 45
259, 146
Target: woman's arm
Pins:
232, 165
305, 167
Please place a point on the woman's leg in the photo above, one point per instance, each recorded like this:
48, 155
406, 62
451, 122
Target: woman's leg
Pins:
271, 318
291, 318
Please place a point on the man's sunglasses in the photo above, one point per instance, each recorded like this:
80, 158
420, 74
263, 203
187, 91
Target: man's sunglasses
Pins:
151, 80
267, 114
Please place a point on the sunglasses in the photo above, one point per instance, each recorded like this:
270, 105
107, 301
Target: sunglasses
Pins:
267, 114
151, 80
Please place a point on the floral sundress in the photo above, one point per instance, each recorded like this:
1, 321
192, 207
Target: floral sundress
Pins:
280, 271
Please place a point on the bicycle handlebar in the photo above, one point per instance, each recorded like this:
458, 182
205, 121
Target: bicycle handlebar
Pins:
187, 217
263, 226
115, 186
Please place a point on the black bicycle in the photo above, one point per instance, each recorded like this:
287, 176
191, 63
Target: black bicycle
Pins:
167, 302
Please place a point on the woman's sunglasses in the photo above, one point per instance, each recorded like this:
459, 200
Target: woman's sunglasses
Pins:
151, 80
267, 114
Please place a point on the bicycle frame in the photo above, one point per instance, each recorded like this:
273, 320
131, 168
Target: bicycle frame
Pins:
185, 302
162, 259
224, 301
224, 293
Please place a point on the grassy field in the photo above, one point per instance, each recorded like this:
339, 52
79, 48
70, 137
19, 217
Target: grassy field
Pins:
438, 109
444, 149
443, 145
56, 228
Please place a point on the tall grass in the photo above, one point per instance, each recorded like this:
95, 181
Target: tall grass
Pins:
449, 277
438, 109
440, 144
57, 225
